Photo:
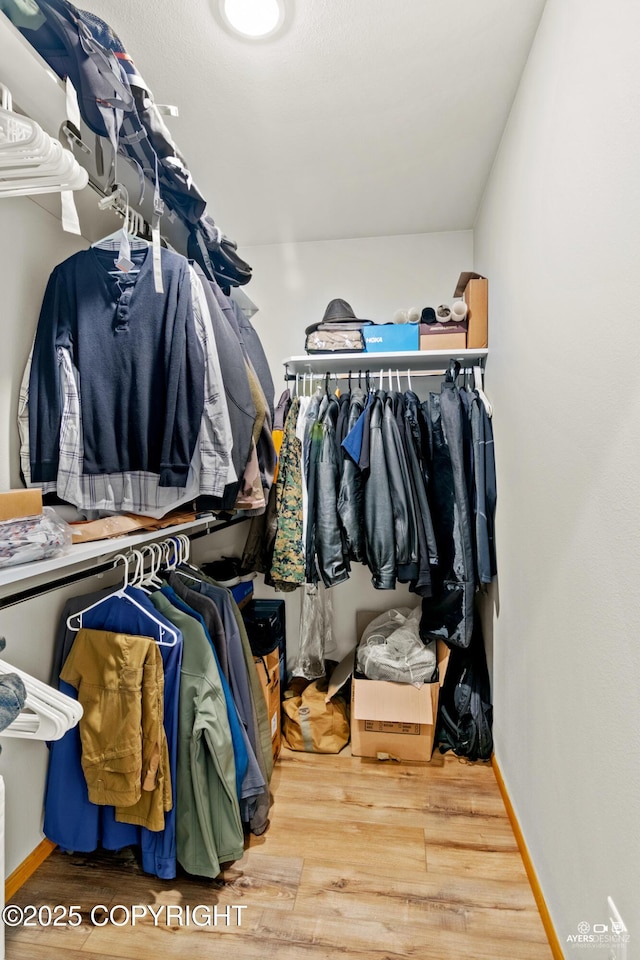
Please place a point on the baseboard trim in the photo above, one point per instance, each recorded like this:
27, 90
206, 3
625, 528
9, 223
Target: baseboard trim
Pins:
536, 889
28, 867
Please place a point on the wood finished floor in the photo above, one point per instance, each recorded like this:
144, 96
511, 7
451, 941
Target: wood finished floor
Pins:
362, 860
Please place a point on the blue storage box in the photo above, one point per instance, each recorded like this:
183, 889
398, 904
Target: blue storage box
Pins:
241, 591
390, 337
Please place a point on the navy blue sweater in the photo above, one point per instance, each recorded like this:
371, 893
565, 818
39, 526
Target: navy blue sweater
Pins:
140, 366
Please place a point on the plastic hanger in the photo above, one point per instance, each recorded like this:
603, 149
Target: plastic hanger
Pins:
74, 622
48, 713
31, 161
123, 239
477, 379
152, 579
184, 561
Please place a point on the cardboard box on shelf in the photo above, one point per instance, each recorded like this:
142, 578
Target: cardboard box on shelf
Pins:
389, 337
443, 336
268, 668
15, 504
475, 290
395, 719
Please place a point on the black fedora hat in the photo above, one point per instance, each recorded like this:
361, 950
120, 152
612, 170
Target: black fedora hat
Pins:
341, 313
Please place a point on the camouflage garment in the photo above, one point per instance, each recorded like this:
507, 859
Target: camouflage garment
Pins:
287, 567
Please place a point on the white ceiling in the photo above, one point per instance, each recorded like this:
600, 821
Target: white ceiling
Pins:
365, 118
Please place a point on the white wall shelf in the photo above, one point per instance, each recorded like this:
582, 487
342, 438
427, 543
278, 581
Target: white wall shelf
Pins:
85, 558
415, 361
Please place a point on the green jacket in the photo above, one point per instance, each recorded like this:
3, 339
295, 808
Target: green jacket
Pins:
208, 825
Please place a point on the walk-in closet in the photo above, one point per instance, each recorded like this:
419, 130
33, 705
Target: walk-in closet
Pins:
318, 556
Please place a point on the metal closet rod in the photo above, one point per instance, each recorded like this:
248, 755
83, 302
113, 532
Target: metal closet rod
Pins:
355, 374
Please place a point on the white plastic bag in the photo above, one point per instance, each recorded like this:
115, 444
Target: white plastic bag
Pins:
316, 632
391, 649
33, 538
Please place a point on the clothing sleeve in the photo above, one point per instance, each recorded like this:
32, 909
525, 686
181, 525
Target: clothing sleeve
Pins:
185, 391
256, 354
45, 393
216, 438
214, 777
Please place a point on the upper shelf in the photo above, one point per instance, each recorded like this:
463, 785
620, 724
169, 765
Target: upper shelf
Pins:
87, 556
412, 360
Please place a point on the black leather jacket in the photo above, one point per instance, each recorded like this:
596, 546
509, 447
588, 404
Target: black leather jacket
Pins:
404, 514
378, 512
325, 462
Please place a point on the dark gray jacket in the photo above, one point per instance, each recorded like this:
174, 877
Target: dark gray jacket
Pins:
242, 411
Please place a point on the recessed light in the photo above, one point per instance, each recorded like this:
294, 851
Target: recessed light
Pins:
255, 19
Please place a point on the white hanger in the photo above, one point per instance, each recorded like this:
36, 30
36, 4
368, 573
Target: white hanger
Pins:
32, 162
184, 539
477, 379
74, 622
185, 559
48, 713
409, 379
123, 239
152, 579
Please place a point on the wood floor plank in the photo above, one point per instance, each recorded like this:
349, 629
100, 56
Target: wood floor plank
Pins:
391, 936
464, 862
389, 805
262, 879
467, 906
16, 950
473, 831
350, 841
322, 879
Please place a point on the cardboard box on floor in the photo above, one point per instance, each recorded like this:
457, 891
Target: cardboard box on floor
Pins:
397, 720
268, 668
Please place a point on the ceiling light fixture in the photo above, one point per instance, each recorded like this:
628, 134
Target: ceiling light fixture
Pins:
255, 19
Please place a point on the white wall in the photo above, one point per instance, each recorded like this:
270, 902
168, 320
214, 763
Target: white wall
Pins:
292, 285
31, 244
559, 237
